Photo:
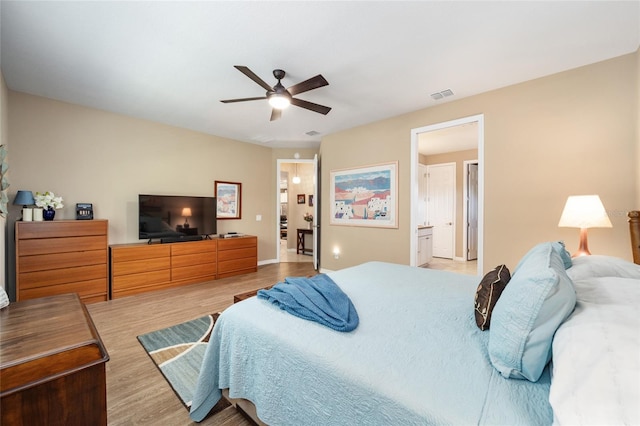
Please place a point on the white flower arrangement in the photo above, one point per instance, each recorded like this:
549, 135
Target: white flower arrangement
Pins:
48, 199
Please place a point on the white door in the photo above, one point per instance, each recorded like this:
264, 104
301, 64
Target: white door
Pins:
441, 189
472, 212
316, 202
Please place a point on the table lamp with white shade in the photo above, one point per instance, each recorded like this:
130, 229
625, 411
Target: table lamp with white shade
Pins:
584, 211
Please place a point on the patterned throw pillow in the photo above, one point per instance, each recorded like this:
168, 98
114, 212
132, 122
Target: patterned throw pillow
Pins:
487, 294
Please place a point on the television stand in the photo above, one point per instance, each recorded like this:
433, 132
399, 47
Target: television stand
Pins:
137, 268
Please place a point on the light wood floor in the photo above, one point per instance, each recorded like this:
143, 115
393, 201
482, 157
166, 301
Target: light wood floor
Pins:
137, 394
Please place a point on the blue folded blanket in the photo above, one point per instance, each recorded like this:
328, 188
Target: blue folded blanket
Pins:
316, 299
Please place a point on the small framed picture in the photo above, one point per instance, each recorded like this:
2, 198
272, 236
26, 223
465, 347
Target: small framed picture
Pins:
310, 200
228, 199
301, 198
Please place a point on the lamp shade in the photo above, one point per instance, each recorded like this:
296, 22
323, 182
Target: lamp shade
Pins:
186, 212
24, 198
584, 211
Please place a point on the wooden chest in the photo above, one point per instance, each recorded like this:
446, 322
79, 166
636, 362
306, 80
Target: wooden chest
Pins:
52, 364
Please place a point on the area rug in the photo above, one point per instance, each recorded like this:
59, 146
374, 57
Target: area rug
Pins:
177, 351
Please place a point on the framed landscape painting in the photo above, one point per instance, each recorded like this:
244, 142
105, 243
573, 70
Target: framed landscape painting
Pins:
228, 200
365, 196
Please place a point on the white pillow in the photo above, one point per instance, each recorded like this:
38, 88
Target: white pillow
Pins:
602, 266
596, 356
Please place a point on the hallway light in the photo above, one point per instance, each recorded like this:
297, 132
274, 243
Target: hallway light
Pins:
296, 179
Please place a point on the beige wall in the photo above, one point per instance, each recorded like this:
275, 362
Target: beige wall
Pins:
458, 158
4, 140
570, 133
87, 155
636, 89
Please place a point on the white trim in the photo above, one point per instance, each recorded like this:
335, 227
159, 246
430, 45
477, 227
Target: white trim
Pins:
414, 183
465, 209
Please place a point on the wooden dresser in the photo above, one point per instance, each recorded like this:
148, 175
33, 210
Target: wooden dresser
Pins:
137, 268
52, 364
62, 256
237, 255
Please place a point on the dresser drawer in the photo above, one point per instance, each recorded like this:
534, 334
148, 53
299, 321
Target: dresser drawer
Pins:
194, 259
61, 260
125, 282
205, 271
139, 252
91, 290
197, 247
62, 245
60, 276
140, 266
236, 264
236, 243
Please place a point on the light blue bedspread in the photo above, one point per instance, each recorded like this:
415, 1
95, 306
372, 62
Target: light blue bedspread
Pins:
316, 299
416, 358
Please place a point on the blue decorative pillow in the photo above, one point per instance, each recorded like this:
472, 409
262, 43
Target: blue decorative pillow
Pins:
558, 247
539, 297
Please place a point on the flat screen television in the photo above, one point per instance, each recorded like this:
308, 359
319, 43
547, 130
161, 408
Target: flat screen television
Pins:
169, 217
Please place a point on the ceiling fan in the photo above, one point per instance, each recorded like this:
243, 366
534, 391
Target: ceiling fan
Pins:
279, 97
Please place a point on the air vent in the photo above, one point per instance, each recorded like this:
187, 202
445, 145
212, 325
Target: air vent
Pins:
439, 95
312, 133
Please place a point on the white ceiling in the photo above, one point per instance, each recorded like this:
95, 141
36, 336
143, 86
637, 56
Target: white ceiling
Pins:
172, 62
450, 139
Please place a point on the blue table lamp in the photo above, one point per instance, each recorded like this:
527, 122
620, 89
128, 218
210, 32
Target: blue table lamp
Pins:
25, 199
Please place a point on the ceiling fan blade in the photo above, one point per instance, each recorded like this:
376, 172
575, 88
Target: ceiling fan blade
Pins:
310, 106
275, 114
228, 101
246, 71
305, 86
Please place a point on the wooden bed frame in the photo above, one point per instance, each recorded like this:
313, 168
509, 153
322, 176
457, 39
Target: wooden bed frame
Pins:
247, 408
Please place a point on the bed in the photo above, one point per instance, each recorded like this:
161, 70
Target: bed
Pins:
419, 357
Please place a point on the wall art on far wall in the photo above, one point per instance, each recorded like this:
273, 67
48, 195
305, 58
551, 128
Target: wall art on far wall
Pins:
310, 200
365, 196
228, 199
301, 198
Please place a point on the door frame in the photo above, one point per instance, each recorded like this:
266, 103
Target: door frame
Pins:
465, 208
413, 240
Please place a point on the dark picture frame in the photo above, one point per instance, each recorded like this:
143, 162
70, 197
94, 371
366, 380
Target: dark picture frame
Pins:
301, 199
310, 200
228, 200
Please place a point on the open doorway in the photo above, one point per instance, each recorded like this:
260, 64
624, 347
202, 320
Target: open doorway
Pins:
296, 198
462, 142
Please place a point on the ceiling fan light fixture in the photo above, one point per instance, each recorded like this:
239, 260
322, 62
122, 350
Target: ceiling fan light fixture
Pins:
279, 100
